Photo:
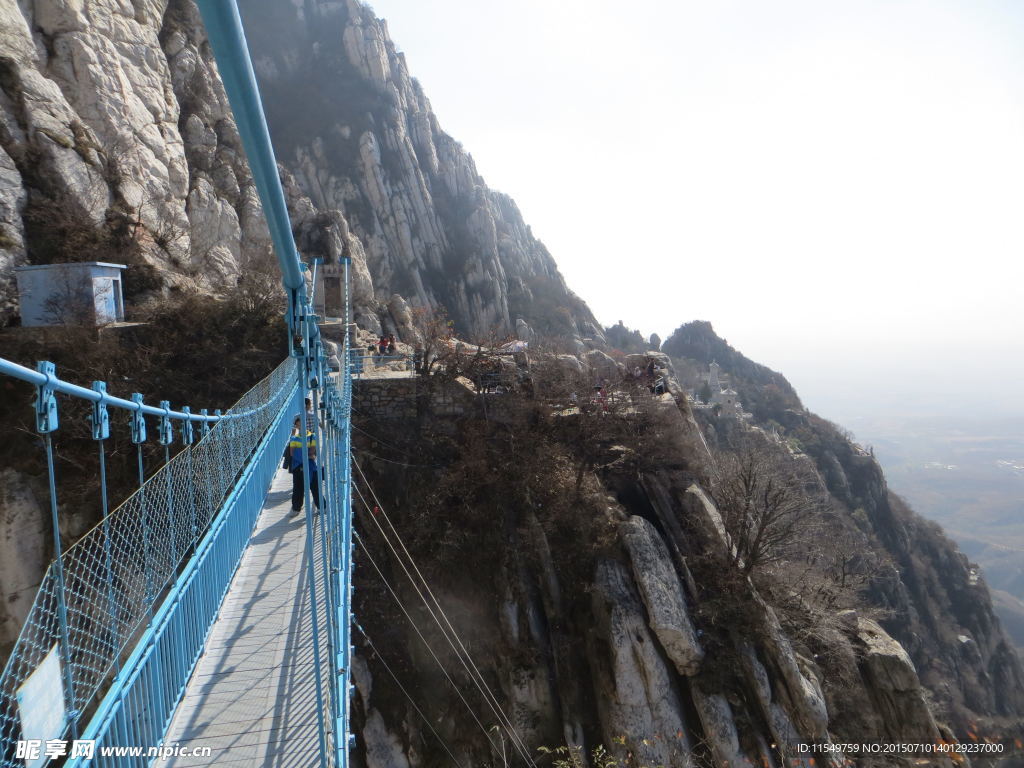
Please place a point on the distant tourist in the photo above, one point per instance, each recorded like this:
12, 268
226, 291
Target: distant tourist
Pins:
382, 345
391, 343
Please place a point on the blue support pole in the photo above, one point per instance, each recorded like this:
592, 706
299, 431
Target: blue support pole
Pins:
303, 371
47, 422
99, 420
187, 438
165, 437
138, 426
227, 38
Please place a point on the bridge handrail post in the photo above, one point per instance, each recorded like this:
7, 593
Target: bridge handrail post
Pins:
138, 427
165, 436
99, 420
47, 421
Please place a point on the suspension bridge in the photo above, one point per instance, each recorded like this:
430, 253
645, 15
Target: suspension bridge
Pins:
201, 610
202, 621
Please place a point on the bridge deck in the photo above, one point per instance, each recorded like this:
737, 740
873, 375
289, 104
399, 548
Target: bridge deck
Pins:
252, 696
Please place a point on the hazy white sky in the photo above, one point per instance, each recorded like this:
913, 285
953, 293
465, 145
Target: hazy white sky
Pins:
837, 186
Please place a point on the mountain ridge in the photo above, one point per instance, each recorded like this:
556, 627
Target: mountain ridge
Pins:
588, 650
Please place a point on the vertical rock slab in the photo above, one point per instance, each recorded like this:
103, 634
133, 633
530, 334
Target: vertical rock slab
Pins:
707, 517
637, 698
799, 694
12, 233
719, 729
662, 594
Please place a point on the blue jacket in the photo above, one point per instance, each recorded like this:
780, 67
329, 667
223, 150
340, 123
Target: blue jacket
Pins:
294, 450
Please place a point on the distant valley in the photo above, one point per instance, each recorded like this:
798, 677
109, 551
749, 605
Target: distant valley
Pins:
966, 473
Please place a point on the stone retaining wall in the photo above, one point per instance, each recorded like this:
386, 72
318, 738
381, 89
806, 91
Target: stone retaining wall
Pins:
397, 398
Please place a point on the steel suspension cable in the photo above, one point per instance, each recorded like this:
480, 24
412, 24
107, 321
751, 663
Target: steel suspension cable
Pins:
398, 682
426, 585
419, 633
471, 668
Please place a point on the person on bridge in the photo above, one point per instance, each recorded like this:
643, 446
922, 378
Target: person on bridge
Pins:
293, 460
310, 416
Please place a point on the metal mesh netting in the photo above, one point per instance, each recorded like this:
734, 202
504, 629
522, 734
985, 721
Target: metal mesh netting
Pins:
116, 575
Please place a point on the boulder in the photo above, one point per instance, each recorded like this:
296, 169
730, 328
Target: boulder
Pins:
523, 331
602, 367
893, 685
403, 319
384, 749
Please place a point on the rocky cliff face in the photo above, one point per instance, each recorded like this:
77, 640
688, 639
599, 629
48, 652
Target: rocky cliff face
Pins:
113, 120
360, 137
113, 116
613, 615
936, 607
116, 144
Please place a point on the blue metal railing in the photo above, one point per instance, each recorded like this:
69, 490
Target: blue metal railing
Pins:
122, 615
96, 598
140, 705
142, 700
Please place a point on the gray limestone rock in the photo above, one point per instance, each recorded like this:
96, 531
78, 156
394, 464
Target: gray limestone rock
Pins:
431, 228
698, 504
800, 693
602, 367
719, 727
12, 232
109, 102
894, 686
402, 316
662, 594
383, 748
636, 695
523, 331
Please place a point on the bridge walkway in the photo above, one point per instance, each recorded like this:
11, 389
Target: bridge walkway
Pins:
252, 697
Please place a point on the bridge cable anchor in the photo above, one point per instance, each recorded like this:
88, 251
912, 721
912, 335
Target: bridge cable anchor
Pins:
99, 419
138, 420
165, 432
46, 400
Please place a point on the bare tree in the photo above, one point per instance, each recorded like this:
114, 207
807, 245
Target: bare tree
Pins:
436, 333
765, 504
